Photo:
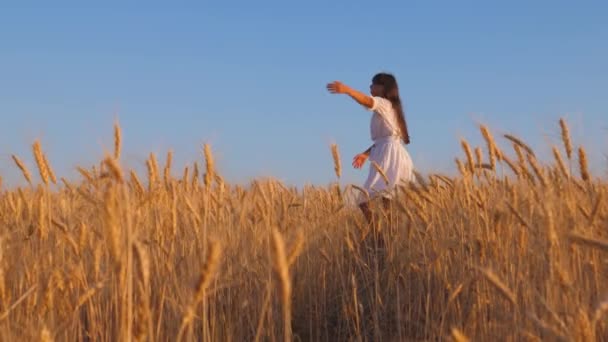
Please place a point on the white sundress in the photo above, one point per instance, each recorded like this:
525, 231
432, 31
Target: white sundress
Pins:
388, 152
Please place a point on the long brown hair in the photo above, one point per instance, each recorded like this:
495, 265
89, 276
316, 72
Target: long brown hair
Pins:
391, 93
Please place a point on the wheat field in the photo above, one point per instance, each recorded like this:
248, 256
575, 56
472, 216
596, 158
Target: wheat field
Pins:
512, 249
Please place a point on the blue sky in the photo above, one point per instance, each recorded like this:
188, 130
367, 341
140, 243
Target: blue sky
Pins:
249, 78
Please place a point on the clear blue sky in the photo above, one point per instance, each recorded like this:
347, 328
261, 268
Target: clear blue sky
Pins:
249, 78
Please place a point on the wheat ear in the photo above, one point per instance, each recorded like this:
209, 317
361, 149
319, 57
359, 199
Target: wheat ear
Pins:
282, 267
117, 141
582, 161
209, 165
566, 138
44, 172
24, 170
336, 156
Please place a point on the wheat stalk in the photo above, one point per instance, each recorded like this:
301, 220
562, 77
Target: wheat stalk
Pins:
499, 285
143, 262
478, 156
296, 249
336, 156
512, 166
361, 190
209, 165
113, 229
469, 155
167, 170
135, 181
114, 169
150, 169
589, 241
492, 149
582, 161
459, 336
600, 311
3, 283
380, 171
596, 209
26, 173
520, 155
461, 168
209, 269
447, 180
566, 138
523, 168
195, 175
38, 155
537, 170
45, 335
50, 170
282, 268
560, 162
67, 184
519, 143
154, 165
185, 178
117, 141
86, 174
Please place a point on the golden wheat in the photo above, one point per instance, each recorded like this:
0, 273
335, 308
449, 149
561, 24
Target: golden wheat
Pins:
519, 143
467, 150
516, 170
26, 173
117, 141
136, 182
113, 261
459, 336
282, 268
195, 175
499, 285
540, 174
47, 165
493, 151
167, 170
154, 167
208, 272
336, 156
582, 161
114, 168
210, 165
478, 156
589, 241
461, 168
38, 155
85, 173
566, 138
380, 172
560, 162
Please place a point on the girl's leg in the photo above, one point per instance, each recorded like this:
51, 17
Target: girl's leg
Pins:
386, 203
366, 211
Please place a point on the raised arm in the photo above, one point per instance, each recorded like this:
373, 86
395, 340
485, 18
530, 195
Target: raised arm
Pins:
337, 87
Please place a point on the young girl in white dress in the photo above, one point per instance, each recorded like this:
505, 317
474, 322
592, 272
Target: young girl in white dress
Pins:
388, 131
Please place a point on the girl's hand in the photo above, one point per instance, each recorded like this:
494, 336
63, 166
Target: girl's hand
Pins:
359, 160
337, 87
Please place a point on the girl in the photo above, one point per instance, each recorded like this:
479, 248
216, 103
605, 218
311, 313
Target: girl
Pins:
388, 129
